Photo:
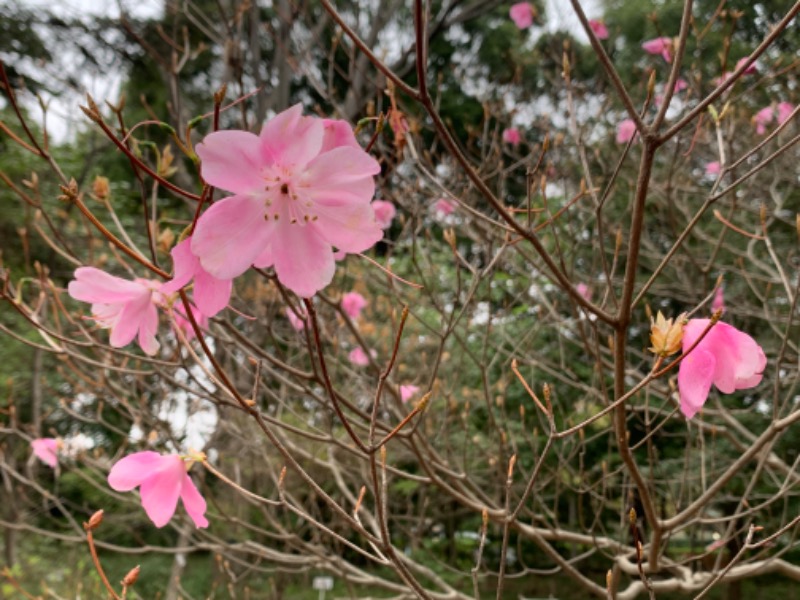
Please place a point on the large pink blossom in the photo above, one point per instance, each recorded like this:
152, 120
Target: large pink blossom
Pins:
512, 136
46, 450
599, 28
301, 188
659, 45
161, 480
384, 213
726, 357
353, 303
522, 14
210, 293
626, 130
127, 308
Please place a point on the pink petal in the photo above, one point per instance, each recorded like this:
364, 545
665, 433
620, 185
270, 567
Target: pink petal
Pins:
341, 165
626, 130
694, 380
785, 110
161, 490
230, 235
358, 357
599, 28
46, 450
443, 207
303, 259
193, 502
713, 168
96, 286
210, 293
337, 133
185, 265
660, 45
349, 227
289, 138
232, 161
512, 136
718, 303
297, 323
384, 213
129, 472
129, 320
148, 325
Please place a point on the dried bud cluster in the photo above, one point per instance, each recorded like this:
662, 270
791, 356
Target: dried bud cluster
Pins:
666, 334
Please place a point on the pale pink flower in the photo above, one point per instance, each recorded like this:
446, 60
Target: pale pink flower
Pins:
46, 450
301, 188
353, 303
407, 392
443, 207
512, 136
210, 294
161, 479
599, 28
763, 118
785, 110
384, 213
127, 308
713, 167
659, 45
718, 303
584, 291
522, 14
358, 357
626, 130
726, 357
297, 323
749, 70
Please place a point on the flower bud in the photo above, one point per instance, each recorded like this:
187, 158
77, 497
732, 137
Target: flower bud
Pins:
101, 188
666, 335
94, 520
131, 577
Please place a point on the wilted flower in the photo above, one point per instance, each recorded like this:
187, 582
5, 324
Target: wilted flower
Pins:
666, 334
726, 357
161, 480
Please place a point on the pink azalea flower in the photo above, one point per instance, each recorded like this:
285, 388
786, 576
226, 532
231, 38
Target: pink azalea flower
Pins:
599, 28
127, 308
584, 291
522, 14
785, 110
726, 357
718, 302
763, 118
407, 392
384, 213
296, 322
626, 130
680, 85
443, 207
210, 294
512, 136
353, 303
358, 357
659, 45
161, 480
300, 189
713, 167
46, 450
749, 70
